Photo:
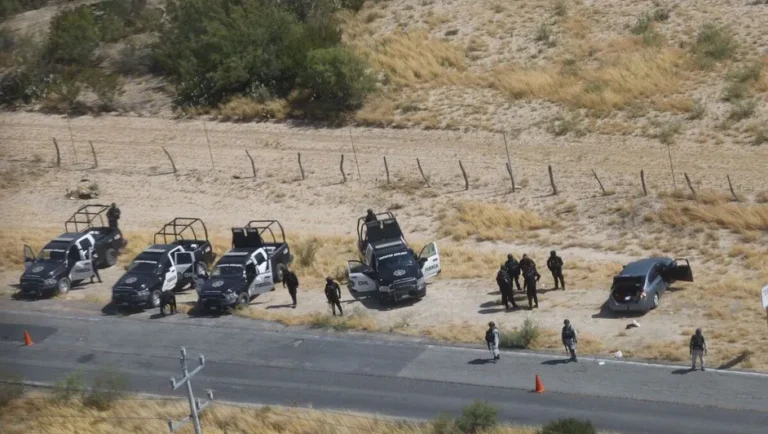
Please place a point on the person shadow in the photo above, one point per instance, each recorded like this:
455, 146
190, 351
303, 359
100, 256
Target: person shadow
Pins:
480, 361
682, 371
555, 362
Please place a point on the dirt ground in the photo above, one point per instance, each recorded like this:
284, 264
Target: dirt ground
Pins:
594, 233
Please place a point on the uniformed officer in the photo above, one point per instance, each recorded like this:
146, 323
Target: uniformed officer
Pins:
513, 268
333, 295
167, 298
370, 216
555, 265
569, 339
698, 349
505, 287
291, 281
113, 215
530, 277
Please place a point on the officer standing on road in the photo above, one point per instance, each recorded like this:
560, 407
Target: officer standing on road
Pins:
291, 281
530, 277
505, 287
555, 265
492, 339
570, 339
113, 215
698, 349
370, 216
167, 298
333, 295
513, 268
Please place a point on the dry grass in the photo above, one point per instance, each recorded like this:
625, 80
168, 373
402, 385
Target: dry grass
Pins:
488, 221
243, 109
39, 415
357, 320
731, 216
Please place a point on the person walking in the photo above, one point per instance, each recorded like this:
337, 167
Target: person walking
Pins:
333, 295
492, 339
570, 339
555, 265
530, 277
113, 215
513, 268
167, 298
291, 281
698, 349
505, 287
94, 265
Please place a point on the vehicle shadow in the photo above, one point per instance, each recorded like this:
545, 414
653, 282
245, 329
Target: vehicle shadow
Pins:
115, 310
480, 362
279, 306
606, 313
682, 371
372, 302
554, 362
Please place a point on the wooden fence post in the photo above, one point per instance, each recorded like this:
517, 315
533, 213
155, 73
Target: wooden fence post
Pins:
58, 153
386, 169
464, 173
253, 165
598, 182
72, 139
509, 162
642, 180
730, 185
341, 167
301, 168
671, 167
422, 173
93, 151
552, 180
208, 141
511, 177
170, 158
688, 181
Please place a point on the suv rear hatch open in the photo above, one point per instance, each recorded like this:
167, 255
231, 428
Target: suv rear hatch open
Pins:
627, 289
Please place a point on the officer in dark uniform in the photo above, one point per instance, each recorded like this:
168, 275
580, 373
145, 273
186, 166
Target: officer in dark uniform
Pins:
113, 215
291, 281
93, 265
167, 298
505, 287
569, 337
370, 216
513, 268
555, 265
530, 277
333, 295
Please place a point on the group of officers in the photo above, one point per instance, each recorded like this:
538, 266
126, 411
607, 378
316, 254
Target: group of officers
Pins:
510, 272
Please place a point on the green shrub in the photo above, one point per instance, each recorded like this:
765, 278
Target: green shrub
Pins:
749, 73
20, 86
336, 78
523, 337
354, 5
698, 111
761, 137
105, 86
713, 44
73, 37
742, 110
661, 15
642, 24
735, 91
71, 387
112, 28
477, 417
444, 424
108, 387
569, 426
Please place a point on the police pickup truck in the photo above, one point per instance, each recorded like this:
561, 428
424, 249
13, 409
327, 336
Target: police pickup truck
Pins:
389, 267
168, 265
66, 260
257, 261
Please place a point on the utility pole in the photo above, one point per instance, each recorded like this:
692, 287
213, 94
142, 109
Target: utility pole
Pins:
195, 408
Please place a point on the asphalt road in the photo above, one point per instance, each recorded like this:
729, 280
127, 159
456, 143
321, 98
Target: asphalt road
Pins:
249, 361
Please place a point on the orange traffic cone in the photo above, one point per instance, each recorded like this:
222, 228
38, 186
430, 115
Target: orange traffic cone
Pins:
27, 339
539, 385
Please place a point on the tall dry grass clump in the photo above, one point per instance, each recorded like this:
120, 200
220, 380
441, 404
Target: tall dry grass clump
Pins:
736, 217
244, 109
488, 221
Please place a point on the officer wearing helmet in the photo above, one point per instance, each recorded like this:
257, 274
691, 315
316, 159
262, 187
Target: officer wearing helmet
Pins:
333, 295
555, 265
569, 339
370, 216
513, 268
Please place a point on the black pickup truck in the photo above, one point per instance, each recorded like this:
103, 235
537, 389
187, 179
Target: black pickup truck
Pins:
66, 260
258, 259
169, 264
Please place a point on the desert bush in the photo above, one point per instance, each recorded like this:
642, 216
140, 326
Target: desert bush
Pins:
11, 388
742, 110
488, 221
62, 93
642, 25
760, 138
661, 15
305, 251
108, 387
697, 111
245, 109
336, 77
544, 34
70, 387
477, 417
105, 86
713, 44
20, 86
133, 59
12, 7
73, 37
747, 73
560, 8
523, 337
569, 426
735, 91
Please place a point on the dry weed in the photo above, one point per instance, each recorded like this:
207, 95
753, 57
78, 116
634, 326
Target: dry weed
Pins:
244, 109
488, 221
731, 216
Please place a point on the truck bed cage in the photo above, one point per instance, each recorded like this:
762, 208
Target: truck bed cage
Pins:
266, 226
254, 232
177, 227
380, 216
83, 219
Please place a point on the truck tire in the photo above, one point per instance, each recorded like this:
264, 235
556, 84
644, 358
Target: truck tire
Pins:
63, 286
154, 298
110, 258
281, 270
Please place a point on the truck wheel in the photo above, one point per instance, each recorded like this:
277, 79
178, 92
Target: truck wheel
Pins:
281, 270
154, 298
110, 258
242, 301
63, 286
655, 300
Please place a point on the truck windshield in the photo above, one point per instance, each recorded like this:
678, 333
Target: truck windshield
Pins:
52, 255
228, 270
142, 267
391, 263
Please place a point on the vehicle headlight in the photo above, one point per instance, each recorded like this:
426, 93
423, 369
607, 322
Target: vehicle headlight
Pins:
49, 282
421, 282
142, 292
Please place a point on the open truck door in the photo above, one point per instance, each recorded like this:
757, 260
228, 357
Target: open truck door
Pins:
29, 256
184, 264
263, 282
680, 270
429, 259
360, 277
